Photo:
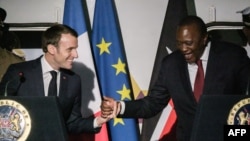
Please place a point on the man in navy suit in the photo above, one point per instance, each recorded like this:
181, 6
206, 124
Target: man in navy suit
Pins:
59, 44
226, 70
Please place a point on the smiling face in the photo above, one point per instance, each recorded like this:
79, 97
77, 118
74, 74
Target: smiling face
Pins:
64, 54
191, 42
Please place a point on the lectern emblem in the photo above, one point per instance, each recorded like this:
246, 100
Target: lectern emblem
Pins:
15, 122
240, 113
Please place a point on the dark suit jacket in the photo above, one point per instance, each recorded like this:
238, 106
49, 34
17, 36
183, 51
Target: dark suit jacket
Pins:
227, 73
32, 85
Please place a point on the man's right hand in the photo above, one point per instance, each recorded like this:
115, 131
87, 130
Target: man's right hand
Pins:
110, 108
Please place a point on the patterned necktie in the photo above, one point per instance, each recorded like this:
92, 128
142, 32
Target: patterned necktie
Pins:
52, 85
199, 81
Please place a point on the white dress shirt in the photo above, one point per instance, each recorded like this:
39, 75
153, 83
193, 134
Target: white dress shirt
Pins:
247, 48
192, 68
46, 68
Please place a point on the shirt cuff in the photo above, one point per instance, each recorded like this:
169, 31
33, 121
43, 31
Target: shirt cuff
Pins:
122, 110
95, 123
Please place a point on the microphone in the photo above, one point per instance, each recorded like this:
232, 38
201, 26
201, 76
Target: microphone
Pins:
247, 89
20, 79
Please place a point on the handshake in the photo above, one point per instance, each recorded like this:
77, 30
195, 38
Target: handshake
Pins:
110, 108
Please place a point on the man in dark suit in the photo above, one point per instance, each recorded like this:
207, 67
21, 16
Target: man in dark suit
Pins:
226, 68
59, 44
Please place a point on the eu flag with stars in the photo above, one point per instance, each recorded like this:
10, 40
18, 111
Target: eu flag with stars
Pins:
112, 67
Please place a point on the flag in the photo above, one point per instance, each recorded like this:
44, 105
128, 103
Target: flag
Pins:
112, 67
162, 126
74, 17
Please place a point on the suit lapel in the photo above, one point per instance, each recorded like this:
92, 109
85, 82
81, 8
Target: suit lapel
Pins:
185, 79
63, 84
37, 75
212, 64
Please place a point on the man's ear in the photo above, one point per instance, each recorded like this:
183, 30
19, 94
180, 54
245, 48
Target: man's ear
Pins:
205, 39
51, 49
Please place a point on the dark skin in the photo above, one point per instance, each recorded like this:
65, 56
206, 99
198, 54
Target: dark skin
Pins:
189, 41
246, 31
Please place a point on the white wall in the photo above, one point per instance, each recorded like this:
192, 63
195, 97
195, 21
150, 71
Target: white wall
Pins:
141, 22
225, 9
24, 11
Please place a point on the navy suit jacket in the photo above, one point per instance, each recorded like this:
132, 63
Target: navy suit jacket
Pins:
32, 85
227, 73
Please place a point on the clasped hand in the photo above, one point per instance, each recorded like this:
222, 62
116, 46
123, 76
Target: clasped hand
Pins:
109, 108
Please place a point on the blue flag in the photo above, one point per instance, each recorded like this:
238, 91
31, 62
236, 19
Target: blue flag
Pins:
112, 67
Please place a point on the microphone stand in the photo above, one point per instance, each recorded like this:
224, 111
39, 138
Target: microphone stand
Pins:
21, 79
6, 88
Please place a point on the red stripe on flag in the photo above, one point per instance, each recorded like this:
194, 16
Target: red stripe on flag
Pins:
170, 121
103, 134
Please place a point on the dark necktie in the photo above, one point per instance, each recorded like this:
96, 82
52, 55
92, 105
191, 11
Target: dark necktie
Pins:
199, 81
52, 85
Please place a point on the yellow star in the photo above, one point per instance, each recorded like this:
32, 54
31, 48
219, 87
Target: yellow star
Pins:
125, 93
120, 67
118, 120
104, 46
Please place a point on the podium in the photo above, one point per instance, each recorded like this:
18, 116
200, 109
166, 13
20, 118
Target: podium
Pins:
211, 116
42, 116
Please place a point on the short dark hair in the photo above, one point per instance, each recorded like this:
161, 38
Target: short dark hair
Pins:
53, 35
202, 28
3, 14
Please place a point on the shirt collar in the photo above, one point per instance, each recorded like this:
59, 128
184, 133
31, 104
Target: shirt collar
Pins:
205, 54
45, 65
